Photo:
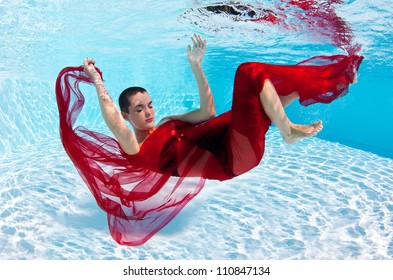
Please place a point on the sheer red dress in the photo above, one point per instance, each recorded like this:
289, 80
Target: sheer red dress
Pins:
141, 193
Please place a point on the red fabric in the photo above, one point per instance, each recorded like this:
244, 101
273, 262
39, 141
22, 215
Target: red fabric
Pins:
141, 193
320, 18
316, 18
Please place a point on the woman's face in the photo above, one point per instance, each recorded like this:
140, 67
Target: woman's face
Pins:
141, 112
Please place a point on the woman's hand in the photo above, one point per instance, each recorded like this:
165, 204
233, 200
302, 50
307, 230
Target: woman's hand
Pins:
206, 108
196, 53
90, 70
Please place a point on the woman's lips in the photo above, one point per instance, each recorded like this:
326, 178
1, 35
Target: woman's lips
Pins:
149, 120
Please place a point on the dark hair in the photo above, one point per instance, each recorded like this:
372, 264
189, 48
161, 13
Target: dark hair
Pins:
124, 103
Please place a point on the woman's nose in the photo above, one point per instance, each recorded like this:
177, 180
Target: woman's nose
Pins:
148, 112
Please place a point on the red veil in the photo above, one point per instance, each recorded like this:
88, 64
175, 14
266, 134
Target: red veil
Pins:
143, 192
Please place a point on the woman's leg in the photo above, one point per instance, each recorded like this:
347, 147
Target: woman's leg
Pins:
287, 100
274, 108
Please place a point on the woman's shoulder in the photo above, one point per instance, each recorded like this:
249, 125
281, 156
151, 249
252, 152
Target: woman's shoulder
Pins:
168, 121
164, 120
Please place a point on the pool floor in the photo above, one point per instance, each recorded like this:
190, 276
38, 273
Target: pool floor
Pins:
312, 200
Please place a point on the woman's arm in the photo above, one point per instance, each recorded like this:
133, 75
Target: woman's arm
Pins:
110, 113
206, 109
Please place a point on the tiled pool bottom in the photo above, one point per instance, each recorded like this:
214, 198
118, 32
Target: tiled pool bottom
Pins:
311, 200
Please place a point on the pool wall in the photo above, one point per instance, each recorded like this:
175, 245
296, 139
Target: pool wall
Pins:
40, 38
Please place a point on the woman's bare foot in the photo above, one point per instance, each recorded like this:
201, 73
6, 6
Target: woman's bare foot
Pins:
299, 132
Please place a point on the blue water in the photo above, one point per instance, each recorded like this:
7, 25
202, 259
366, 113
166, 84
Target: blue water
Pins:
329, 197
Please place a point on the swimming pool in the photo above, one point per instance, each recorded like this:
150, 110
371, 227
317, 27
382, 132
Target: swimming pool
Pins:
325, 198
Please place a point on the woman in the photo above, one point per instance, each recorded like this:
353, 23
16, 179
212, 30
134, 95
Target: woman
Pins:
145, 178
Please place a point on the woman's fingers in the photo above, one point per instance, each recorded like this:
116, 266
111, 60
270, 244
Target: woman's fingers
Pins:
198, 42
197, 39
195, 43
88, 61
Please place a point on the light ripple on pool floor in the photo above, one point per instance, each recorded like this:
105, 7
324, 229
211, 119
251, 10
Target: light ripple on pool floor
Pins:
311, 200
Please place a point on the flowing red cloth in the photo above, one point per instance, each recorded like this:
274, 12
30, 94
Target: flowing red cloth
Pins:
317, 18
141, 193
